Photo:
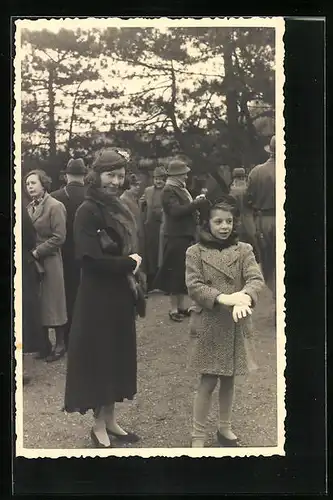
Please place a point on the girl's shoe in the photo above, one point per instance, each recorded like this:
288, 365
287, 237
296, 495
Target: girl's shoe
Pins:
96, 442
175, 316
225, 442
130, 437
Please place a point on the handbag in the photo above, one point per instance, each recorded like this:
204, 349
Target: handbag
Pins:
138, 294
106, 242
111, 247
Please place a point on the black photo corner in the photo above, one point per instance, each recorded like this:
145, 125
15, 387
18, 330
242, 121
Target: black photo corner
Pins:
304, 469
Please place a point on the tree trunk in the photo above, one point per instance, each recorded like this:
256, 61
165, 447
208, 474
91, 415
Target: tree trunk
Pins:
70, 132
231, 102
52, 127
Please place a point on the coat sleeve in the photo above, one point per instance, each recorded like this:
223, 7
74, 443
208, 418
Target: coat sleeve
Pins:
172, 207
58, 229
88, 248
198, 290
249, 195
251, 274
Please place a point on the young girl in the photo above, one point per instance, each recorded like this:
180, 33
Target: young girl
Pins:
223, 280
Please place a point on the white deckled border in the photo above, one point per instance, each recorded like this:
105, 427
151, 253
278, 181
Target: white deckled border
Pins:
73, 23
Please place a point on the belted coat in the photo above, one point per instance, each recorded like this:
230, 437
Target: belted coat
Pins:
219, 346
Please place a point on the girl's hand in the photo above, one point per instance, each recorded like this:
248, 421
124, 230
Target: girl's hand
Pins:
34, 254
241, 299
234, 299
240, 312
137, 259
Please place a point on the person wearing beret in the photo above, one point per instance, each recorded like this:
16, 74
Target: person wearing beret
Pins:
151, 206
180, 226
71, 195
102, 356
48, 217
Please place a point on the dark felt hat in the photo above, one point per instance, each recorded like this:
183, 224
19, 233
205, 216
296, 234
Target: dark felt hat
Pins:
109, 159
177, 167
76, 166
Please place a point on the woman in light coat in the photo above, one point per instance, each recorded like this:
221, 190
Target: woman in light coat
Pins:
223, 279
49, 219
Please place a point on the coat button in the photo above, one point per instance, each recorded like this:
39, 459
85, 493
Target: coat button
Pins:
208, 282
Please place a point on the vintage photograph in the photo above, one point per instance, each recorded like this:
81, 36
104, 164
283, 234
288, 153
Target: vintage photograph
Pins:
149, 237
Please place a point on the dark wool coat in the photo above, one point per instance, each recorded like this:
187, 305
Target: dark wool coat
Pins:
180, 213
49, 220
179, 230
102, 362
219, 346
151, 205
71, 196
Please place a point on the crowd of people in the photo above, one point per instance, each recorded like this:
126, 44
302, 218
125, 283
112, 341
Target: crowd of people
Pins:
94, 250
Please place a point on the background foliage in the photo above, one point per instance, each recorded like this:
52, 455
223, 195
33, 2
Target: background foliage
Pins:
203, 93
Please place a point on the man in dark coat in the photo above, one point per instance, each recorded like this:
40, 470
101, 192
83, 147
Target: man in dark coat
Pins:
261, 198
151, 205
71, 195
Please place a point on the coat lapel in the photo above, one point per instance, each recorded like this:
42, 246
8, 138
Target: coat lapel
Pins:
224, 261
39, 209
181, 193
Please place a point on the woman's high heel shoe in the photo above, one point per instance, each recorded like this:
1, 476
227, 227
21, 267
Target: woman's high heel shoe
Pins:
96, 442
130, 437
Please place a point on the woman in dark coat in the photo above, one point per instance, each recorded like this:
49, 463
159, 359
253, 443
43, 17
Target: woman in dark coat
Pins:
180, 225
102, 362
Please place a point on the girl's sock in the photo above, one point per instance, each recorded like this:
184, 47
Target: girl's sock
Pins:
201, 407
226, 397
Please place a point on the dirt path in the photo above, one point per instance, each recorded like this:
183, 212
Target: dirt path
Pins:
161, 412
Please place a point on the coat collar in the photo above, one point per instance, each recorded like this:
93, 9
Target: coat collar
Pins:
179, 192
35, 214
223, 261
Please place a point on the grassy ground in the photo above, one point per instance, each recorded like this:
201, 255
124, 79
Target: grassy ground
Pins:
161, 411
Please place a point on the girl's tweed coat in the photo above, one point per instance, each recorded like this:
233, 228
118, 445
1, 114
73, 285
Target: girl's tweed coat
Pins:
219, 346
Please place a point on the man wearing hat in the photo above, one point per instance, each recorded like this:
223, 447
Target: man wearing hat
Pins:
261, 198
180, 225
72, 195
151, 206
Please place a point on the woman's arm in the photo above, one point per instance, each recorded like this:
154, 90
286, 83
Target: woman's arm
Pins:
58, 228
88, 248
